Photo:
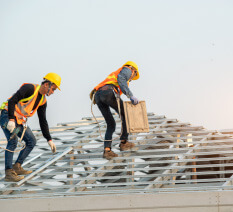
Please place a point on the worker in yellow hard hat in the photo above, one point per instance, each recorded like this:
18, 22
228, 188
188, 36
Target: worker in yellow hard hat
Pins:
106, 94
14, 113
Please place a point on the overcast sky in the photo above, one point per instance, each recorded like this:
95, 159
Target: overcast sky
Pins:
183, 48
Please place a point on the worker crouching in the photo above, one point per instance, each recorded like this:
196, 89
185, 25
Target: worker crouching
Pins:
106, 94
14, 113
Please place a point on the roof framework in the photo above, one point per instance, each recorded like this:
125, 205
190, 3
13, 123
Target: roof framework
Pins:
173, 157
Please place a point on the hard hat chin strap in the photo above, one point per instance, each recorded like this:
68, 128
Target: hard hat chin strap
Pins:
50, 85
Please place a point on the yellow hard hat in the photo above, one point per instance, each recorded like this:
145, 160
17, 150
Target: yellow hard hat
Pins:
54, 78
131, 63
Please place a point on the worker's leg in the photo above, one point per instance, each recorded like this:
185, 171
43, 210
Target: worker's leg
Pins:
30, 141
124, 145
11, 144
102, 99
114, 105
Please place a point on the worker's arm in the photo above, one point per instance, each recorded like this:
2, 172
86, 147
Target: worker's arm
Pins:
24, 92
41, 111
45, 127
122, 79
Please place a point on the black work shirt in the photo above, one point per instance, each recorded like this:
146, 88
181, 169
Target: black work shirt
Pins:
24, 92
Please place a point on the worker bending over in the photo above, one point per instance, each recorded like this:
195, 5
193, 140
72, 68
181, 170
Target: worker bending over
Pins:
23, 104
105, 97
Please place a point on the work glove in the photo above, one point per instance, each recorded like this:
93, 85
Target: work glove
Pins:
52, 146
11, 125
134, 100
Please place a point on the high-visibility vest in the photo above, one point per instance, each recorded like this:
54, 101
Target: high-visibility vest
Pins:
24, 108
112, 79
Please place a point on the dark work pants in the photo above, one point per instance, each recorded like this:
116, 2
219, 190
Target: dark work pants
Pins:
104, 100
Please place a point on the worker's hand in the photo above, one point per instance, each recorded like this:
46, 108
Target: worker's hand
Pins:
134, 100
11, 125
52, 146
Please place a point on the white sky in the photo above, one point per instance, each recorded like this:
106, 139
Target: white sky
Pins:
183, 48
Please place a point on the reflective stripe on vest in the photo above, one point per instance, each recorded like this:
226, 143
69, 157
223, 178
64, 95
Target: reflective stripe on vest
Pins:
24, 108
112, 79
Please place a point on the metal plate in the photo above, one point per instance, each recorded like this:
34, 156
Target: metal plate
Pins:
136, 117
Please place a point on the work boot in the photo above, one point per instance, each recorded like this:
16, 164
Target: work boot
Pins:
19, 169
125, 145
11, 176
109, 154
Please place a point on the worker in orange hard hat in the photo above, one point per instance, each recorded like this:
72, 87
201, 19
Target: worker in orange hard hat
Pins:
14, 113
106, 95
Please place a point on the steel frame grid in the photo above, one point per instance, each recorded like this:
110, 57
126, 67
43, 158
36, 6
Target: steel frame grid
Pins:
172, 157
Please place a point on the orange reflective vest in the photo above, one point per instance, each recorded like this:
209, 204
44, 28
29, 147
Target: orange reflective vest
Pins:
24, 108
112, 79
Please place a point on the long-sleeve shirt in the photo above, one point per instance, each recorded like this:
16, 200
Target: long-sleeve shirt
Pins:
24, 92
122, 79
